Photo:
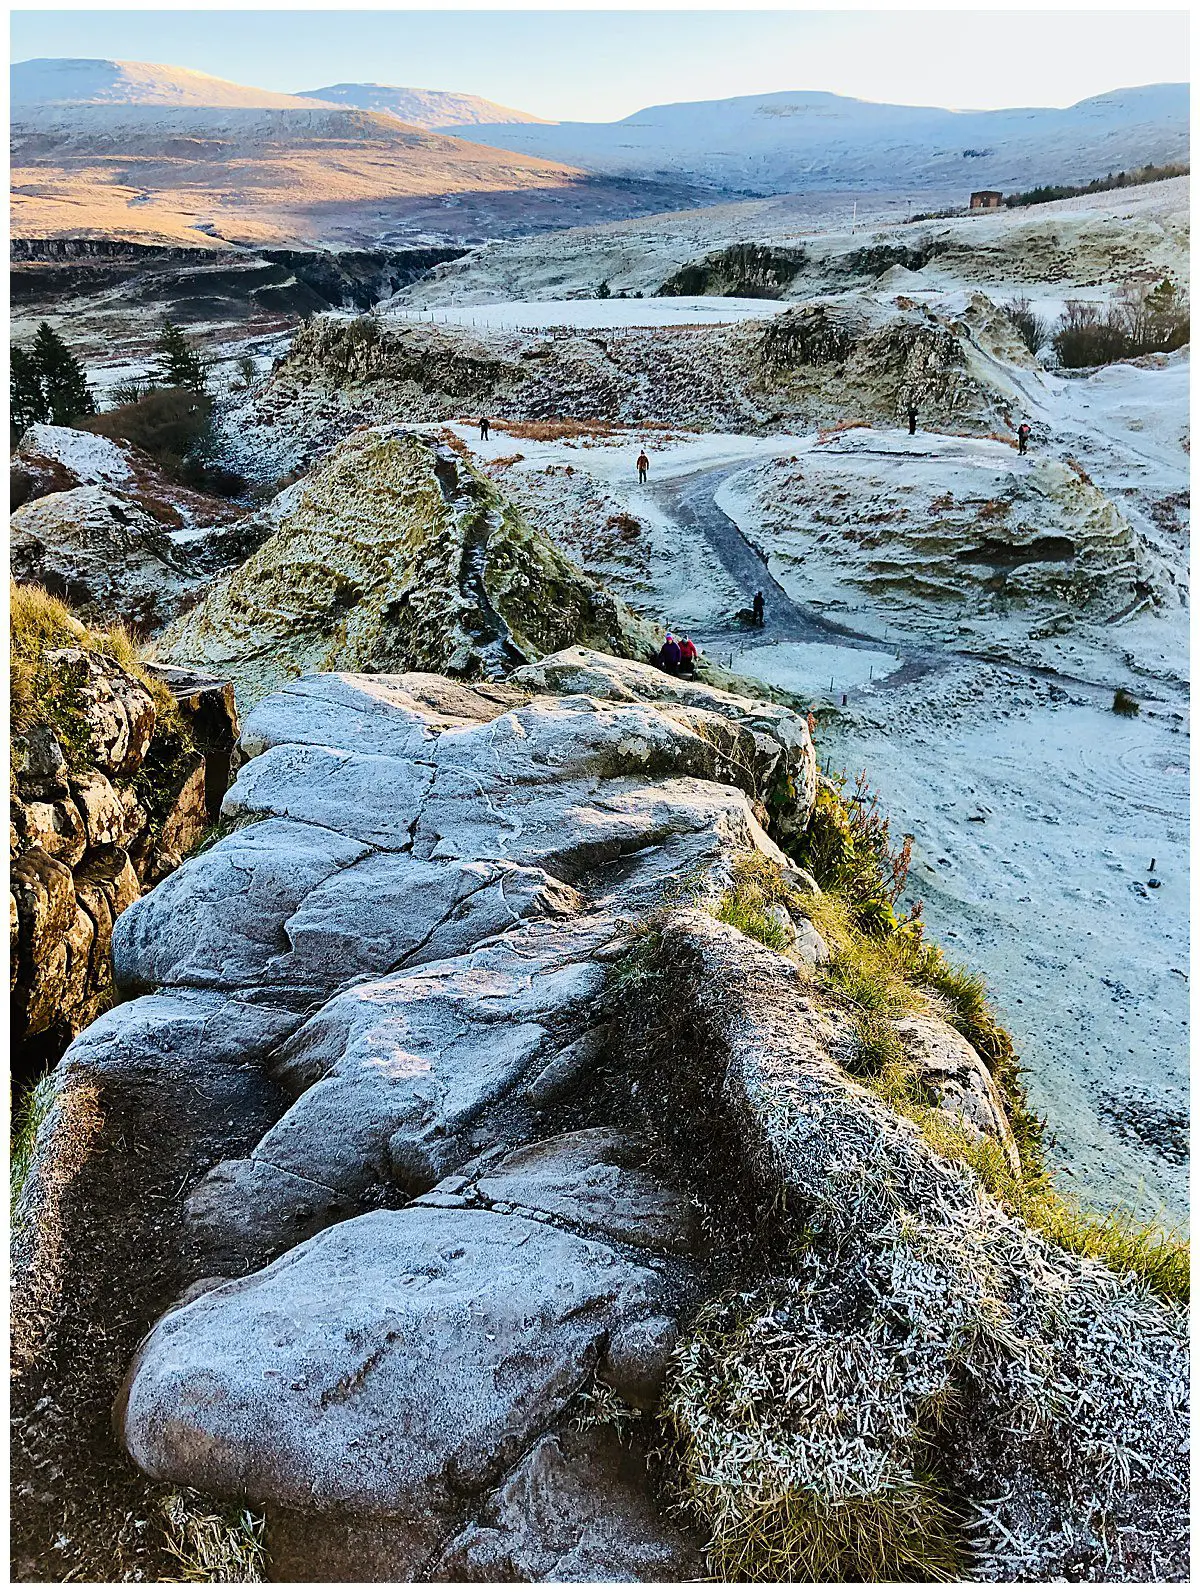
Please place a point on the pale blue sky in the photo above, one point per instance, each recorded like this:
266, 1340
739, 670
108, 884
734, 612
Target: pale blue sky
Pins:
598, 66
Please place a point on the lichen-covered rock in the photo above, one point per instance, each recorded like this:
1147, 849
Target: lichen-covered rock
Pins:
394, 554
115, 713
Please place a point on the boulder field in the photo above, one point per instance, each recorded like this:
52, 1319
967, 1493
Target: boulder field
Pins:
452, 1173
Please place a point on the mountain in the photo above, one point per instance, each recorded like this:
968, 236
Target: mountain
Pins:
54, 82
261, 175
778, 143
428, 108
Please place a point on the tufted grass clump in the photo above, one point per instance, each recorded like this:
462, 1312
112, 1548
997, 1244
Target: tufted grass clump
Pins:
789, 1485
208, 1546
40, 623
27, 1118
745, 906
1125, 704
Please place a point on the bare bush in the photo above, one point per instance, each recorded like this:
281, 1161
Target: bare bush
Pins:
1033, 331
1141, 320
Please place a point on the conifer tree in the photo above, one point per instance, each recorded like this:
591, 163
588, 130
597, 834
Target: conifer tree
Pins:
180, 365
64, 382
26, 396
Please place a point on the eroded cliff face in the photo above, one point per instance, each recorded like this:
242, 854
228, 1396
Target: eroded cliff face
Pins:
466, 1104
395, 554
115, 778
101, 526
858, 358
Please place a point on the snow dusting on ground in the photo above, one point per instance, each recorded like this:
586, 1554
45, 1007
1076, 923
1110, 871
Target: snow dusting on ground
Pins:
1036, 811
592, 314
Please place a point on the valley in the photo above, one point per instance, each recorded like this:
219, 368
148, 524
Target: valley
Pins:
490, 1096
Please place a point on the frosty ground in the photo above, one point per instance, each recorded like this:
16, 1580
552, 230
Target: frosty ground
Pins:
1036, 811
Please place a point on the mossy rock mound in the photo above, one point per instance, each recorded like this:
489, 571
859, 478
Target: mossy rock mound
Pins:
395, 554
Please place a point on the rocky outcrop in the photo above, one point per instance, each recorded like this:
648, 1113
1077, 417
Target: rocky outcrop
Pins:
395, 554
110, 792
515, 1106
104, 555
855, 359
99, 524
948, 530
743, 270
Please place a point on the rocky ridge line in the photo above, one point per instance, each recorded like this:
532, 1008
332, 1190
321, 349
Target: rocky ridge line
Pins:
468, 1180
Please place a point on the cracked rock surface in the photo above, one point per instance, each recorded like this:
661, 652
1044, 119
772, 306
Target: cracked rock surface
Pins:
399, 1288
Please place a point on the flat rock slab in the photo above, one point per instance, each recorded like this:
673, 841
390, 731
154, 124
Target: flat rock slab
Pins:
577, 1509
296, 910
580, 1179
385, 1366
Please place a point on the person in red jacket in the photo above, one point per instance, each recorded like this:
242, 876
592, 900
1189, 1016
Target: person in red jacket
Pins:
688, 654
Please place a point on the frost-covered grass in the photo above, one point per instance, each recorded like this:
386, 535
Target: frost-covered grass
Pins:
212, 1547
880, 977
790, 1488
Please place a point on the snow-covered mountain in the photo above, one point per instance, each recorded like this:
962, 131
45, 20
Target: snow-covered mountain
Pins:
428, 108
66, 82
777, 143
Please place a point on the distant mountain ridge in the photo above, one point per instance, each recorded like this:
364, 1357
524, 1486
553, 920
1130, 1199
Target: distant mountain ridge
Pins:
780, 143
428, 108
65, 82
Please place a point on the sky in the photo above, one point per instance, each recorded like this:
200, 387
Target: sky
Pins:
603, 65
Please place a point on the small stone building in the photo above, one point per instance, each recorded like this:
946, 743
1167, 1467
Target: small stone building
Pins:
986, 199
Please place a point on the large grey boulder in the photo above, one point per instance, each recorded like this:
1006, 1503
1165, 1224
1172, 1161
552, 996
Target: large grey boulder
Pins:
387, 1366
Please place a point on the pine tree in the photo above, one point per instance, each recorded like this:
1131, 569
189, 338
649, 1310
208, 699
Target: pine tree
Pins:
64, 382
180, 365
27, 397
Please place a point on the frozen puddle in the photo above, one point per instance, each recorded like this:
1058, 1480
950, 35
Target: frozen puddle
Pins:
812, 667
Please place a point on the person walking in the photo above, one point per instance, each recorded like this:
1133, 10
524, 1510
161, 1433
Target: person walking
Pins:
912, 420
1023, 432
669, 655
688, 654
760, 609
484, 428
643, 465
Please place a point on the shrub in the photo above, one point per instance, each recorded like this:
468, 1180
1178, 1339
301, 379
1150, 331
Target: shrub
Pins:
1031, 328
1140, 321
172, 424
1122, 179
846, 847
1125, 704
